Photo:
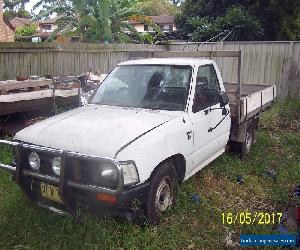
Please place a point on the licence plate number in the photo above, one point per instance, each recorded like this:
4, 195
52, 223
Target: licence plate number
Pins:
50, 192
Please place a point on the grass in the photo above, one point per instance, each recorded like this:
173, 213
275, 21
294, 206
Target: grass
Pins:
190, 224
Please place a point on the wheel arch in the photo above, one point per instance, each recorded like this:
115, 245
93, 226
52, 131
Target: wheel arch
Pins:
179, 163
238, 133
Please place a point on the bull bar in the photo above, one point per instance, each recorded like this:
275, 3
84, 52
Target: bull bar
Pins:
62, 181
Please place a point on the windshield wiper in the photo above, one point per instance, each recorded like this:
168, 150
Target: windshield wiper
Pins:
151, 107
160, 107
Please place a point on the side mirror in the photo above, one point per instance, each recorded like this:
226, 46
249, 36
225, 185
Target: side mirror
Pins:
223, 99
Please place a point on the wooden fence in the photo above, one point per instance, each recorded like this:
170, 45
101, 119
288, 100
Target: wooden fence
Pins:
23, 59
262, 62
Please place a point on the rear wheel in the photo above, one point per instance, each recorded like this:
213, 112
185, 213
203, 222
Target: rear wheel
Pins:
161, 193
243, 148
248, 141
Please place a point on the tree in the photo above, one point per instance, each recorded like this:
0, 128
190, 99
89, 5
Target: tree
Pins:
241, 23
157, 8
92, 20
237, 24
176, 2
26, 30
14, 4
10, 14
15, 8
278, 18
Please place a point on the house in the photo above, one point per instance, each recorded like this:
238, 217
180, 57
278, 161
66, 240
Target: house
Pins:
141, 24
49, 25
166, 23
7, 31
45, 29
18, 22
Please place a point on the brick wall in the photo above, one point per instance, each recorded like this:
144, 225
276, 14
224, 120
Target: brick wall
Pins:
6, 33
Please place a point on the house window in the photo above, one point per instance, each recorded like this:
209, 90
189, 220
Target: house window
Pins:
146, 27
47, 27
165, 28
171, 27
75, 39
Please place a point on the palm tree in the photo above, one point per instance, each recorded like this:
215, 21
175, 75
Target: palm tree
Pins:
92, 20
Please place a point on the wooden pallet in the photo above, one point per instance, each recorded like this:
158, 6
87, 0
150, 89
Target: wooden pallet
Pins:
7, 86
22, 96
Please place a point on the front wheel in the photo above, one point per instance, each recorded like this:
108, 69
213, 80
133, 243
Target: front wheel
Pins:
161, 193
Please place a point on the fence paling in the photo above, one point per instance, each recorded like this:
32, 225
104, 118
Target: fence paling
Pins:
262, 62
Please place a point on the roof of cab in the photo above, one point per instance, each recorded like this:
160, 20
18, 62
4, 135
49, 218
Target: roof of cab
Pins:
167, 61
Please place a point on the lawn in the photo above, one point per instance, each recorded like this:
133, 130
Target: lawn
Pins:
261, 182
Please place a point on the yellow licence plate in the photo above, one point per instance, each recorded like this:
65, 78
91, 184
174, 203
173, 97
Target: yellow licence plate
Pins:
50, 192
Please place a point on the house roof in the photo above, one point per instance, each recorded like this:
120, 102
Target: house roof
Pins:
9, 24
157, 20
163, 19
17, 22
51, 20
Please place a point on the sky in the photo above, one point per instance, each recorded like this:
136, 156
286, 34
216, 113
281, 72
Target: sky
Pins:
28, 6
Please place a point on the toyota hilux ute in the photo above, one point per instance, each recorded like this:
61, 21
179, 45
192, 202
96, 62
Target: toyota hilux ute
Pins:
153, 123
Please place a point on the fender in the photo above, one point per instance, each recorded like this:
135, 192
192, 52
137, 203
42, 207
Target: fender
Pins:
166, 140
136, 138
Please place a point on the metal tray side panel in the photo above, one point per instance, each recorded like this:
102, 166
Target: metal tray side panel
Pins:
257, 100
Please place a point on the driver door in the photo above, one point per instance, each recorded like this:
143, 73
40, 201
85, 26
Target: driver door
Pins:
208, 144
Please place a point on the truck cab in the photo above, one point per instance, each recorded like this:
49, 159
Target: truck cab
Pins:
153, 123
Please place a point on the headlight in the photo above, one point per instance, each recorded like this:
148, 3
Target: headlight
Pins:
34, 161
56, 165
105, 174
130, 173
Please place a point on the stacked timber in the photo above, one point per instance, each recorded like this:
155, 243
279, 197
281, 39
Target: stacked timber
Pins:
39, 94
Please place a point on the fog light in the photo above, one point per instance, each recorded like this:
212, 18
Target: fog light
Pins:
34, 161
56, 165
106, 197
298, 214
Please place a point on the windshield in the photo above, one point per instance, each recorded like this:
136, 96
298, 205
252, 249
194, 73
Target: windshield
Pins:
146, 86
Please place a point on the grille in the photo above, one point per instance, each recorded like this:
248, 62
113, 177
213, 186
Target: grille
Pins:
80, 171
87, 172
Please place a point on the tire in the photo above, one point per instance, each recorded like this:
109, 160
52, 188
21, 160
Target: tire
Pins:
243, 148
161, 193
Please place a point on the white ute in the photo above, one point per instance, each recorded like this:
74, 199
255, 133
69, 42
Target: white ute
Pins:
152, 123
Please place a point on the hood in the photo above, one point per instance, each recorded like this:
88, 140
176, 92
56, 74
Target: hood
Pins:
95, 130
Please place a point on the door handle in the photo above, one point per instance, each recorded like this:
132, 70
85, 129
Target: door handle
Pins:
206, 111
189, 134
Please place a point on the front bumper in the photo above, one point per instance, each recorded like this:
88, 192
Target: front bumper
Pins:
76, 196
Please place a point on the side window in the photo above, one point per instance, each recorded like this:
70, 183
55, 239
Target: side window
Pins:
207, 88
